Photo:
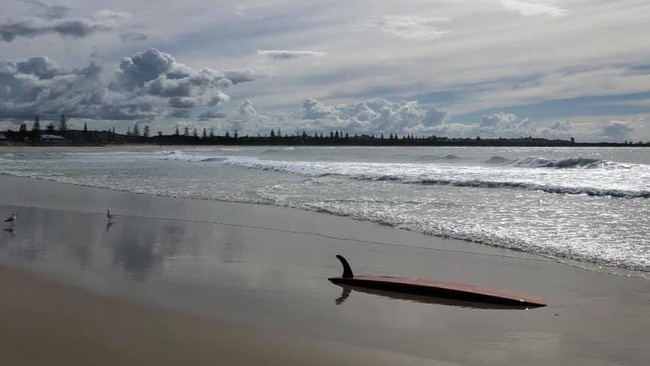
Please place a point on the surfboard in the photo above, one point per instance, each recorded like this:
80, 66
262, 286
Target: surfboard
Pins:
437, 289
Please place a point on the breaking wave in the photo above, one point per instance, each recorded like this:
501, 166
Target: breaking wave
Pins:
618, 193
409, 174
584, 163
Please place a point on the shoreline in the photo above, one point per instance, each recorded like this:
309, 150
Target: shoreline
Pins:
253, 274
234, 143
473, 245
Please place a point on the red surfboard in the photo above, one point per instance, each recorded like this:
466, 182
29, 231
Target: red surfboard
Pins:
446, 290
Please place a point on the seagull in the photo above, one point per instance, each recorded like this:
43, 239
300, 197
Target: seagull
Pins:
12, 219
109, 215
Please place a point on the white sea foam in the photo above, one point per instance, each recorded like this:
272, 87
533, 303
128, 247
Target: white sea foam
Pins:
562, 206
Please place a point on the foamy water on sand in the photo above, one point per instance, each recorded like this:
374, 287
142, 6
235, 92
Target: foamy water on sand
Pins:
587, 205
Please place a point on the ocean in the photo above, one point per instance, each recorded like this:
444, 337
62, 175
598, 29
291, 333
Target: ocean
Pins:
587, 207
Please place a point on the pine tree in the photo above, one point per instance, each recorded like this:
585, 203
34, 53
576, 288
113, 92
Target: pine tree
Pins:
136, 130
186, 131
63, 123
205, 133
145, 133
37, 125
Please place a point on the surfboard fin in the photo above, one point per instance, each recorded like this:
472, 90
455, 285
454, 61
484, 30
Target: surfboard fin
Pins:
347, 271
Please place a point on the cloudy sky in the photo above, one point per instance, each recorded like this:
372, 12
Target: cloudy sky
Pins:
458, 68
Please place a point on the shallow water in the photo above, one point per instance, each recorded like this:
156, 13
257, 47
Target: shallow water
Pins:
588, 205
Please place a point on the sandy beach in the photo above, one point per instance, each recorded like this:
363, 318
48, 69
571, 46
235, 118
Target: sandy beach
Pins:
204, 282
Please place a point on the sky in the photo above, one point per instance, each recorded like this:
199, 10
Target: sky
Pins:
455, 68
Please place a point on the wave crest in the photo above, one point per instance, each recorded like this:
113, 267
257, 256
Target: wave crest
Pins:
584, 163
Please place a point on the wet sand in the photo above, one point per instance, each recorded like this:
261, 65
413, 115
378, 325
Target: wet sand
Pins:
204, 282
43, 323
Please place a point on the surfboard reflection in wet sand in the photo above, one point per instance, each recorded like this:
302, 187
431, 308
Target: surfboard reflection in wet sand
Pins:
348, 290
435, 292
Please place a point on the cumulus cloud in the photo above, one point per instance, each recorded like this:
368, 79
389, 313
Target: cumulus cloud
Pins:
246, 109
617, 130
153, 73
379, 116
218, 98
38, 84
534, 7
502, 124
506, 125
314, 109
283, 55
148, 85
373, 116
410, 28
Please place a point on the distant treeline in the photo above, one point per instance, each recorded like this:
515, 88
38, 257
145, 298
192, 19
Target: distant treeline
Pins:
62, 135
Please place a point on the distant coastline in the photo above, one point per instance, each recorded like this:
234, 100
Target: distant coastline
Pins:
84, 137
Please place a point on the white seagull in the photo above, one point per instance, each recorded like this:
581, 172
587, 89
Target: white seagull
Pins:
12, 219
109, 215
